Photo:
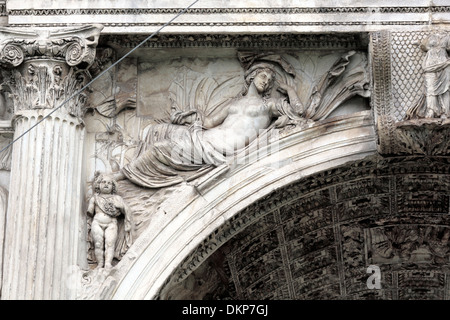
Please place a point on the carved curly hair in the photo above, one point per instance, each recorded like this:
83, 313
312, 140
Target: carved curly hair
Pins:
98, 177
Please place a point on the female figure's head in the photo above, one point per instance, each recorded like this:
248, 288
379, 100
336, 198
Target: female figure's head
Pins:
263, 77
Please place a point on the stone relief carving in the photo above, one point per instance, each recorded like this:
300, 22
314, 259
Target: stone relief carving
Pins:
435, 103
110, 228
191, 96
347, 77
173, 149
403, 228
77, 48
424, 129
56, 72
424, 136
206, 130
410, 244
113, 92
45, 86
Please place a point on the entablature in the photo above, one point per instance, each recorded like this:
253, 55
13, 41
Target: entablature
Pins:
214, 16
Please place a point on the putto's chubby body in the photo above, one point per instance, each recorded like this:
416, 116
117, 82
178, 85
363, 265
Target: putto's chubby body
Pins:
106, 206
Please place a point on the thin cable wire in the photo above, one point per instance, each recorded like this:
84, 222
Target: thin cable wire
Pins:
101, 74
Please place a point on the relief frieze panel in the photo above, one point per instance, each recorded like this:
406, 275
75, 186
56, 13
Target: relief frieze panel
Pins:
411, 91
190, 91
311, 239
157, 93
319, 243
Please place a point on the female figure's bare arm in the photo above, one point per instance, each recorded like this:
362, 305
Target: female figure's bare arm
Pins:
216, 119
208, 122
294, 101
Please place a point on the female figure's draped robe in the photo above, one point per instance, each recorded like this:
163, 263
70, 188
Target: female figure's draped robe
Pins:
174, 153
171, 154
436, 67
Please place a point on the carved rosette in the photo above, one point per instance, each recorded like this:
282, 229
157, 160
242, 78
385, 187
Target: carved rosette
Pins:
45, 70
12, 55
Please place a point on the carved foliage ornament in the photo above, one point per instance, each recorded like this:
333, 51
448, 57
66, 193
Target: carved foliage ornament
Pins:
33, 81
44, 86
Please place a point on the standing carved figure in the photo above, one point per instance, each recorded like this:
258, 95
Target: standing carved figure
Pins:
436, 67
106, 207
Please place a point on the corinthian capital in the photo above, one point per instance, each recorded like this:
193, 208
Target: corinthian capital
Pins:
45, 68
74, 46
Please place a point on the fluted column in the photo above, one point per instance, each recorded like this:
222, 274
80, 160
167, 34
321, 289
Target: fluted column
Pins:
44, 236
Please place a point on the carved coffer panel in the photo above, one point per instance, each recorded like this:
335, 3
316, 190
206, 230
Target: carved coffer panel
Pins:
316, 238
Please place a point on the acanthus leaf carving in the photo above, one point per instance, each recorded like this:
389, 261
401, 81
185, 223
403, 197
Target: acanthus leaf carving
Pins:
46, 87
46, 68
423, 136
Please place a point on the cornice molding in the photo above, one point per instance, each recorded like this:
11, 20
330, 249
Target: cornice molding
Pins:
236, 20
304, 41
203, 11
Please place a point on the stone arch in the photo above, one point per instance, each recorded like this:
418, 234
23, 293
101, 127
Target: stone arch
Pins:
194, 212
321, 237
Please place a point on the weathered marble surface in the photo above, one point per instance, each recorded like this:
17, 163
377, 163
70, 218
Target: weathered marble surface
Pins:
215, 16
193, 63
44, 224
314, 239
213, 202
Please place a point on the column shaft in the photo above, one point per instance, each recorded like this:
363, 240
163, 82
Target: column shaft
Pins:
44, 241
44, 213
